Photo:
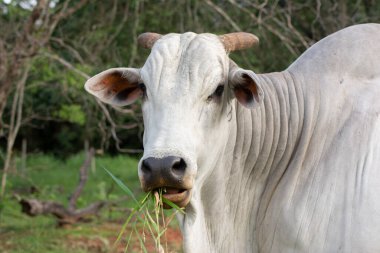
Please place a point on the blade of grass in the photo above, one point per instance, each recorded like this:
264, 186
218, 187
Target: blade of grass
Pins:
145, 198
165, 227
124, 227
152, 221
171, 204
171, 217
150, 228
162, 232
129, 240
122, 186
134, 212
157, 213
139, 238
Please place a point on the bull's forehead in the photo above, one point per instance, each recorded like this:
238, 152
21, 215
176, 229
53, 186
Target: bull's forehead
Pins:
185, 62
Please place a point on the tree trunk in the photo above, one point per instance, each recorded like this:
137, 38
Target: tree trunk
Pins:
14, 127
23, 155
4, 92
7, 162
83, 176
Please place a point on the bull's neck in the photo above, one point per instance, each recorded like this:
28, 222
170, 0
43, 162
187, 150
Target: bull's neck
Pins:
260, 145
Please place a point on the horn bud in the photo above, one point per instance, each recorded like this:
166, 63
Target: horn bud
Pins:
238, 41
147, 40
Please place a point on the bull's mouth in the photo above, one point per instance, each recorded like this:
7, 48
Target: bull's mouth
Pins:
180, 197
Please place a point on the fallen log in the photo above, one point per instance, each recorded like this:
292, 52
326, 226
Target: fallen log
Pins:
70, 214
64, 215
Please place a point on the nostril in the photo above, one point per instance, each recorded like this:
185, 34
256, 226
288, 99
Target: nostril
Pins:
146, 167
179, 166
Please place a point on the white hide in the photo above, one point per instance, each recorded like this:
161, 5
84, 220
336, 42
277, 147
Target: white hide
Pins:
300, 172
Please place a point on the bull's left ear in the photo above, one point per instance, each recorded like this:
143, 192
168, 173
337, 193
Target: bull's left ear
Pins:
116, 86
246, 87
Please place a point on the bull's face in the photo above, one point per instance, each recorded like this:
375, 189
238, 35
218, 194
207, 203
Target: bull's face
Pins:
187, 85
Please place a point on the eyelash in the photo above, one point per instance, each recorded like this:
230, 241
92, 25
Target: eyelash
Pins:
217, 93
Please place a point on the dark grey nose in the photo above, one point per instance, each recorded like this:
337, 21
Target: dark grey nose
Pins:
159, 172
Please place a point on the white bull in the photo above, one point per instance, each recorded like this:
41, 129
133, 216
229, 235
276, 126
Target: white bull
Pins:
278, 162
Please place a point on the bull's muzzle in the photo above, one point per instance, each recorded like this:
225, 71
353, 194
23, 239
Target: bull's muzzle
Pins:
169, 175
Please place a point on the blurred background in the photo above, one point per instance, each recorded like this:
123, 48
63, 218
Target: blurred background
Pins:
55, 139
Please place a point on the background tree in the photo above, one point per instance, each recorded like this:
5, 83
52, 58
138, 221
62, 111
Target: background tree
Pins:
49, 48
16, 50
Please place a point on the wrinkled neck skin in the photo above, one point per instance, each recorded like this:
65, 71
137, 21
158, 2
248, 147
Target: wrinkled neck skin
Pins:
227, 207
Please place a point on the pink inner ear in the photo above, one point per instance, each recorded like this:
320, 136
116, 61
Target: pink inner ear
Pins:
243, 95
113, 83
246, 91
250, 85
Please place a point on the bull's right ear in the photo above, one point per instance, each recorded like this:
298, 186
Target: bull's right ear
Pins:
116, 86
246, 87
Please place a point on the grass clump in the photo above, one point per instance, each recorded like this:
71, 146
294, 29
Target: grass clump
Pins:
147, 218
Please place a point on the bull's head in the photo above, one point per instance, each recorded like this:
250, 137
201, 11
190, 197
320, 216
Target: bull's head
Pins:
187, 86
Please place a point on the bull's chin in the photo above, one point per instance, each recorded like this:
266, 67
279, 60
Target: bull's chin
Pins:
180, 197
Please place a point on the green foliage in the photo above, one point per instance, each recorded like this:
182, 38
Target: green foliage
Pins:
72, 113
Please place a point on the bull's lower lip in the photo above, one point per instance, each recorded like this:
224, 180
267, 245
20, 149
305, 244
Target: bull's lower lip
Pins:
180, 197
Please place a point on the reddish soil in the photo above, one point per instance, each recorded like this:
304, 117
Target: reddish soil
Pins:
171, 241
94, 238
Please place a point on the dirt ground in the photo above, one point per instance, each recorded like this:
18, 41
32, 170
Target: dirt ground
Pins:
171, 241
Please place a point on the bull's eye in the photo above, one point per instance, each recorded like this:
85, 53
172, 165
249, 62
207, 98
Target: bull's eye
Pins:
143, 89
219, 90
217, 93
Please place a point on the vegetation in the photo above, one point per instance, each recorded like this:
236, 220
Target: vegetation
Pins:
150, 216
51, 179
